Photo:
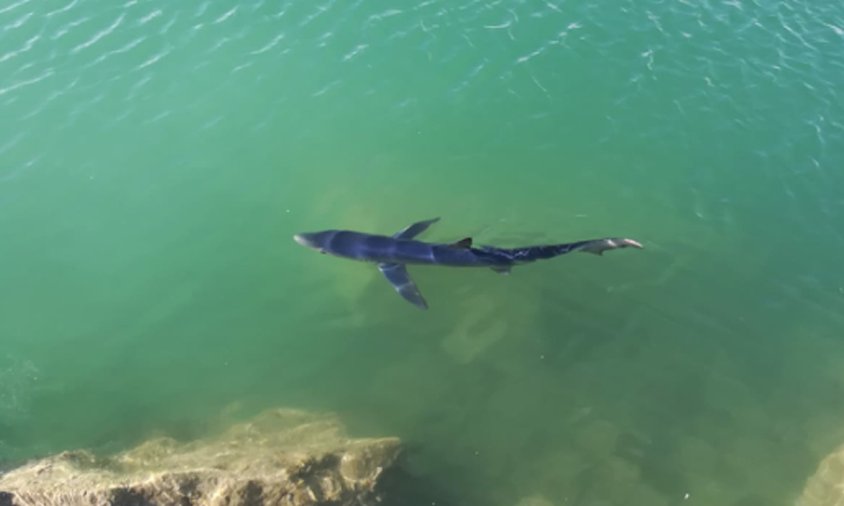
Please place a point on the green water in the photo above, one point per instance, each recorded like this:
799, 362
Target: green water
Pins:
156, 158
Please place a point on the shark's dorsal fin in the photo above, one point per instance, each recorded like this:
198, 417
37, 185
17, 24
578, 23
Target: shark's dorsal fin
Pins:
464, 243
417, 228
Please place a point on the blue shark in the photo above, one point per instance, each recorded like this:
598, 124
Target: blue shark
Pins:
392, 254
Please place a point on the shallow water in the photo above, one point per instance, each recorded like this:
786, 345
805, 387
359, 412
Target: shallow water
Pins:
156, 158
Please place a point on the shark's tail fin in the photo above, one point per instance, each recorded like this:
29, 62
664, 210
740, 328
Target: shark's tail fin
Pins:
594, 246
598, 246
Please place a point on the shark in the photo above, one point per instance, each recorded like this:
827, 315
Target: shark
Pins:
393, 253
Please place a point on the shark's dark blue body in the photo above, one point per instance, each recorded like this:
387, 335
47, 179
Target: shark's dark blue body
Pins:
393, 253
380, 248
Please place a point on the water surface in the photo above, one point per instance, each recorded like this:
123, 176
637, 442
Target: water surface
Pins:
156, 158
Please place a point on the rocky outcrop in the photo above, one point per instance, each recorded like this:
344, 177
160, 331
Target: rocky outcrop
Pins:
826, 486
282, 457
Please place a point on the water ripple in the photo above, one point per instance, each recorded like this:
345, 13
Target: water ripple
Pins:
99, 35
26, 82
12, 142
26, 47
136, 88
149, 17
225, 16
201, 10
220, 43
321, 9
121, 50
158, 117
473, 72
61, 32
424, 4
374, 18
797, 35
13, 6
355, 51
19, 22
269, 45
42, 105
212, 122
155, 58
15, 173
167, 26
242, 66
82, 107
280, 14
62, 9
401, 34
837, 29
500, 26
129, 46
532, 54
324, 39
325, 89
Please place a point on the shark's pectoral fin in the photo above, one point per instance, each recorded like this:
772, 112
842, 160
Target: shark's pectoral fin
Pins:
417, 228
397, 275
503, 269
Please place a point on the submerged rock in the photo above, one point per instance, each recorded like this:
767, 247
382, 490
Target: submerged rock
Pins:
826, 486
282, 457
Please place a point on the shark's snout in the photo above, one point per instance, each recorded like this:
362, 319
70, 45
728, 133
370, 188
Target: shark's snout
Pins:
315, 241
303, 240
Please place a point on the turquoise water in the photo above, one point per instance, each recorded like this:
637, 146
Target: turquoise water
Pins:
157, 157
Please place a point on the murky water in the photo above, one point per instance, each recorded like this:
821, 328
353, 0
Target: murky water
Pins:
156, 158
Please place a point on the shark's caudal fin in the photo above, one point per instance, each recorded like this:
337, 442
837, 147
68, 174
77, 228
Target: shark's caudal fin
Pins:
598, 246
594, 246
397, 275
